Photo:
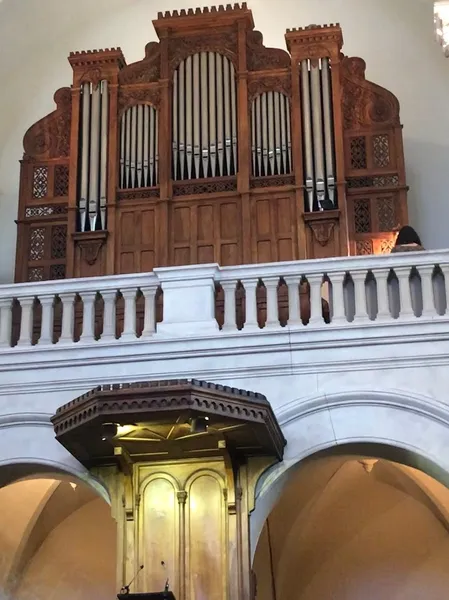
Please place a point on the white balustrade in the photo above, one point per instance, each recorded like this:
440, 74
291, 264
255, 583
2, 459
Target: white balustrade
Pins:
363, 292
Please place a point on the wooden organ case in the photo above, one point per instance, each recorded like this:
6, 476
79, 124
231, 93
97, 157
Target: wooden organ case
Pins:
212, 148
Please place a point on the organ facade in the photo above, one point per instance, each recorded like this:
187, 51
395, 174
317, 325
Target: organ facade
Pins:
212, 148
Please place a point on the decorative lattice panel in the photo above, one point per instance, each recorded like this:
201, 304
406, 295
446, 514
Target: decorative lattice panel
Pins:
386, 214
358, 153
37, 243
40, 182
58, 241
362, 216
381, 151
376, 181
57, 272
364, 247
61, 181
36, 274
386, 246
45, 211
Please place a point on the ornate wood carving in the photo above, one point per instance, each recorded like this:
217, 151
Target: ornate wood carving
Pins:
269, 83
146, 70
50, 137
322, 231
90, 244
365, 103
139, 95
260, 58
213, 40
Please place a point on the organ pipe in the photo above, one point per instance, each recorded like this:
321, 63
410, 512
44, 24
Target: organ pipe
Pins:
204, 132
139, 147
318, 142
270, 134
94, 159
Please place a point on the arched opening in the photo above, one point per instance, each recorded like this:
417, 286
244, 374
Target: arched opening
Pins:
356, 521
56, 532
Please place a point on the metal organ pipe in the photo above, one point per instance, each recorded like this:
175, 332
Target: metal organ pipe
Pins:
204, 131
94, 156
328, 129
139, 147
318, 141
270, 134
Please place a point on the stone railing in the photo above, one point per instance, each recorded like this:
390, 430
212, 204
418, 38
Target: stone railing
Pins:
204, 300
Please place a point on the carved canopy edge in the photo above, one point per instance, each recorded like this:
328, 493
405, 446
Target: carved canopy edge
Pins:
146, 70
50, 136
260, 58
365, 104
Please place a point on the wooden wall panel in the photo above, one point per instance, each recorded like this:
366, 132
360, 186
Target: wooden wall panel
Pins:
274, 228
136, 248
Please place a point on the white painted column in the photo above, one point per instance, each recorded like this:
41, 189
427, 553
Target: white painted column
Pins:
88, 332
428, 302
5, 322
316, 308
189, 300
229, 289
26, 322
68, 318
129, 323
47, 303
149, 322
251, 322
338, 299
271, 285
109, 314
361, 313
406, 308
383, 305
294, 310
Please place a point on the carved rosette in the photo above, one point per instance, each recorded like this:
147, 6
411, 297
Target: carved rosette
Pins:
93, 76
365, 103
147, 70
215, 40
260, 58
50, 137
322, 231
269, 83
131, 96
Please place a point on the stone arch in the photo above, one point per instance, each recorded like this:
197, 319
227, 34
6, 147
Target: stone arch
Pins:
405, 428
28, 448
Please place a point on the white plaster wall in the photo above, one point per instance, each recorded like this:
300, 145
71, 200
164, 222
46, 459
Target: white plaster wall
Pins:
395, 38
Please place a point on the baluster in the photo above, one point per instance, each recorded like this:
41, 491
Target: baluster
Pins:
129, 325
68, 318
383, 305
361, 313
406, 308
5, 322
294, 311
316, 309
338, 298
47, 303
428, 302
251, 322
229, 288
109, 315
26, 322
149, 323
88, 332
445, 270
271, 286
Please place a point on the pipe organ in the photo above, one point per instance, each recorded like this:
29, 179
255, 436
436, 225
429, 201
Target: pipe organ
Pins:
212, 148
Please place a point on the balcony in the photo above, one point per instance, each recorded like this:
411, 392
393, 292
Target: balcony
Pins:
339, 301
